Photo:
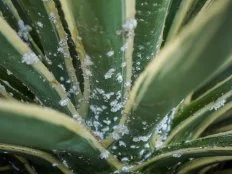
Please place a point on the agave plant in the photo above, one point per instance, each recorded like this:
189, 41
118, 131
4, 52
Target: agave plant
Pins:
115, 86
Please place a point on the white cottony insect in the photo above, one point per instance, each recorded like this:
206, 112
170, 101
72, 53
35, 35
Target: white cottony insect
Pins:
141, 138
54, 164
52, 17
64, 102
119, 78
218, 105
8, 72
23, 30
40, 24
30, 58
109, 73
104, 154
177, 155
119, 131
110, 53
129, 25
87, 61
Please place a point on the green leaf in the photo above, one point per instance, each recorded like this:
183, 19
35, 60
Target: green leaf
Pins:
150, 16
163, 83
6, 75
67, 11
212, 84
210, 96
25, 65
196, 7
46, 20
222, 124
195, 125
174, 6
165, 159
105, 35
63, 134
12, 17
37, 157
187, 10
192, 166
8, 92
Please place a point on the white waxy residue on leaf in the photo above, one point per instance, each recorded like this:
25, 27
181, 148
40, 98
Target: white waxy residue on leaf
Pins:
23, 30
129, 25
109, 73
218, 105
110, 53
30, 58
52, 17
104, 154
64, 102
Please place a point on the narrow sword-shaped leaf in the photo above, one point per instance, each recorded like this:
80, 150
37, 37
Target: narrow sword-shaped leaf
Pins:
25, 65
105, 28
62, 133
13, 19
163, 161
163, 83
209, 96
150, 16
68, 13
194, 10
46, 20
192, 127
34, 153
11, 93
174, 6
201, 108
222, 76
191, 167
222, 124
187, 10
7, 76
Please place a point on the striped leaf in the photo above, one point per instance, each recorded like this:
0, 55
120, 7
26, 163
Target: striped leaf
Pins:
151, 16
166, 159
105, 29
25, 65
38, 158
44, 18
52, 131
163, 83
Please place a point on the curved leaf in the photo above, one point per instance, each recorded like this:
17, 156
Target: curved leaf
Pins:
209, 96
11, 15
164, 160
32, 154
174, 7
46, 21
220, 125
193, 165
105, 28
185, 13
7, 76
50, 130
151, 16
65, 7
222, 76
193, 127
199, 120
11, 93
25, 65
163, 83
